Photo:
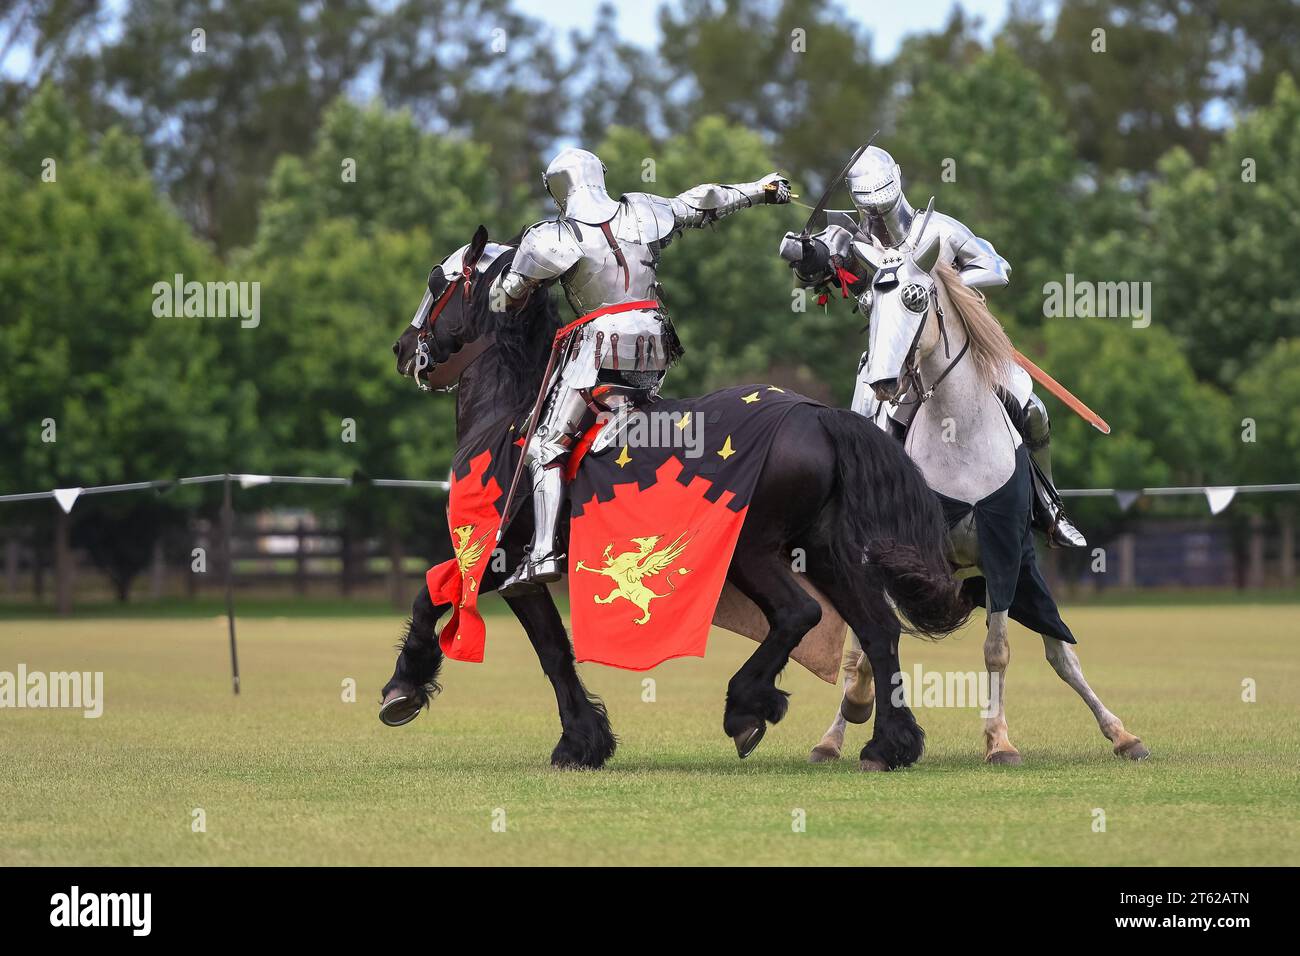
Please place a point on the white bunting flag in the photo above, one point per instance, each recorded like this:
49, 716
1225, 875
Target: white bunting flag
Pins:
67, 497
1125, 499
1219, 498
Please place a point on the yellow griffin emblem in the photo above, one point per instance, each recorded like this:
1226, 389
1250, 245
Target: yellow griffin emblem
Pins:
629, 570
467, 556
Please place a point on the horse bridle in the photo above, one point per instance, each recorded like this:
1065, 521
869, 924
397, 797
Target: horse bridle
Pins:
423, 357
912, 370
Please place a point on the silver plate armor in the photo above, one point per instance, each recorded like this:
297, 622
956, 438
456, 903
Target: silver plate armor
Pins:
876, 184
886, 220
576, 181
602, 252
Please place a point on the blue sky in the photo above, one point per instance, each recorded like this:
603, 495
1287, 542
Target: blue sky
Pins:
888, 22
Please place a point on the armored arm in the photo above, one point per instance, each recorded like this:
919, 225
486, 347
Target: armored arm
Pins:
813, 259
546, 251
709, 202
978, 263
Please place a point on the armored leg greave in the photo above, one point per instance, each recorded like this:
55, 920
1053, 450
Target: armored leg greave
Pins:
1048, 513
561, 421
1038, 434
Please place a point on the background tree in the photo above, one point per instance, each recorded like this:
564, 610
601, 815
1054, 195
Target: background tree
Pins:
1268, 398
1016, 183
1167, 428
815, 93
106, 390
726, 286
333, 152
1222, 242
343, 261
1147, 90
479, 69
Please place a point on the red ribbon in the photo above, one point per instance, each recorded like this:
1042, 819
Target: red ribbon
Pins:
846, 278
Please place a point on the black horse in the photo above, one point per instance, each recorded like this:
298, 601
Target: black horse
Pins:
833, 484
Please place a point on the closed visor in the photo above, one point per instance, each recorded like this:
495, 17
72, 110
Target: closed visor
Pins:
875, 181
878, 199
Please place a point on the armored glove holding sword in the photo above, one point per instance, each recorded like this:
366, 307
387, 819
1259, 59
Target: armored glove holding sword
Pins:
605, 254
886, 219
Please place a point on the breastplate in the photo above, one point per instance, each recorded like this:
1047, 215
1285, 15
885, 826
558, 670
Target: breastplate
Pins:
599, 279
948, 242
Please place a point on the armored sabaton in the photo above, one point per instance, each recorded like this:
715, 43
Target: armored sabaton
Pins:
605, 254
887, 220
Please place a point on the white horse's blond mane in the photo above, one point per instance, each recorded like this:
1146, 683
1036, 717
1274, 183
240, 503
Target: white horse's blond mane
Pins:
990, 348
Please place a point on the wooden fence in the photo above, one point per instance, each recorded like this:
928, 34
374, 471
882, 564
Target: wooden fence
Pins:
296, 554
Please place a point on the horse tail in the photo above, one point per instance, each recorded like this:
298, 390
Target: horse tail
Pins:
892, 524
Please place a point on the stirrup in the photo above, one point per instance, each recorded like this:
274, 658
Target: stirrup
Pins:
532, 576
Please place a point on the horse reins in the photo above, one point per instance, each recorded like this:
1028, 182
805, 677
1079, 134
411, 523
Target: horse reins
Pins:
913, 372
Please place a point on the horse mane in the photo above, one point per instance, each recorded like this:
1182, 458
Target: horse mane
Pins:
990, 348
523, 338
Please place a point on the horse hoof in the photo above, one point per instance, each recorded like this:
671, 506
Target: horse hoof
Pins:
1004, 758
867, 765
822, 754
855, 713
748, 739
399, 709
1135, 749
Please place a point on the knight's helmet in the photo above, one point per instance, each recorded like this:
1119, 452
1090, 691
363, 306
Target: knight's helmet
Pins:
576, 181
876, 183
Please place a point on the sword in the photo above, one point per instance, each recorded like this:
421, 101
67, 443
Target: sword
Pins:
830, 186
1061, 392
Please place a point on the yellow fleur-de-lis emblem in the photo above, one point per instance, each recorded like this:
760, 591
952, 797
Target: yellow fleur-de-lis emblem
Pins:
468, 552
629, 570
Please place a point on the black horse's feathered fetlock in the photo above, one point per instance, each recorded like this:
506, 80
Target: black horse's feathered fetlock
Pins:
419, 657
898, 742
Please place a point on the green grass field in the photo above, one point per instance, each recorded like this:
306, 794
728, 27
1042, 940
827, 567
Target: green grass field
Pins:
290, 773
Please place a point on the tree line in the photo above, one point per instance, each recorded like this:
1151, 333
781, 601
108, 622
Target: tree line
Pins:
331, 153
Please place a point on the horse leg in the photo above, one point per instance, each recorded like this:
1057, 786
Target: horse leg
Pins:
586, 739
896, 740
998, 748
860, 692
753, 699
832, 742
859, 701
1066, 664
415, 678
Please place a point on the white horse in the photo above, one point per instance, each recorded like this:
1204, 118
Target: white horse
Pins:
938, 340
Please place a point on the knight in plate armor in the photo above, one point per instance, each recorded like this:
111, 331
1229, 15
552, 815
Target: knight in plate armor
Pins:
885, 218
605, 254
